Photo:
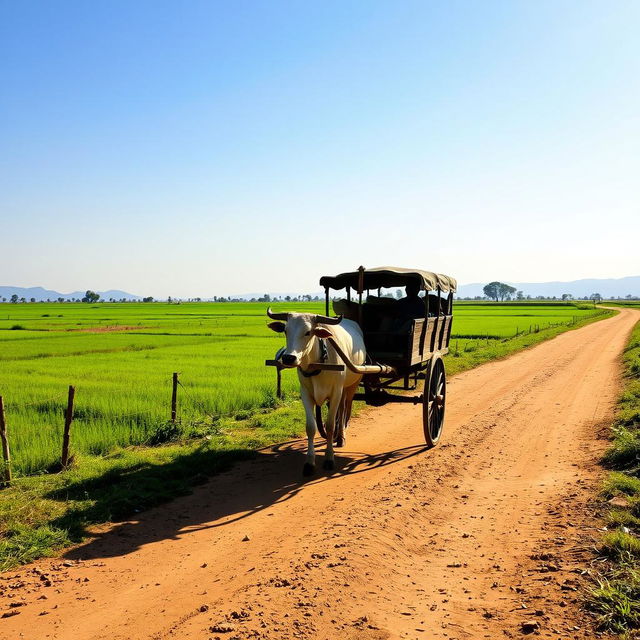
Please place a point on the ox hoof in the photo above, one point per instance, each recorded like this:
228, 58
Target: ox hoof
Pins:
308, 469
340, 442
329, 465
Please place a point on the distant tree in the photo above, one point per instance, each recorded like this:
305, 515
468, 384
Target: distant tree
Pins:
492, 290
32, 300
519, 295
14, 298
4, 299
506, 291
147, 299
566, 297
287, 298
398, 293
91, 296
596, 297
498, 290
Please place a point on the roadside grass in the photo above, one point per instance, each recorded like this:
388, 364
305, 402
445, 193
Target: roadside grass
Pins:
616, 596
116, 477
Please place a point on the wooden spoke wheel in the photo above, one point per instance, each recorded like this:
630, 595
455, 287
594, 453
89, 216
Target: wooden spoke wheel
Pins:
433, 401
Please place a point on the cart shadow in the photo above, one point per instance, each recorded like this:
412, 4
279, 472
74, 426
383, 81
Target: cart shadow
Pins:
272, 476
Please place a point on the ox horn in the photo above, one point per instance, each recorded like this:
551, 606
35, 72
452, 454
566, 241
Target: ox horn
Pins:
328, 320
277, 316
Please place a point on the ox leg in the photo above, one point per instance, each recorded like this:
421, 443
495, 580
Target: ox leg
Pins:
347, 402
309, 410
334, 406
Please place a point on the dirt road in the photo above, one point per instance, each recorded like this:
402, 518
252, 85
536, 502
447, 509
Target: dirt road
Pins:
473, 539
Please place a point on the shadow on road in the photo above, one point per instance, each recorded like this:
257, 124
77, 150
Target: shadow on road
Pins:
260, 480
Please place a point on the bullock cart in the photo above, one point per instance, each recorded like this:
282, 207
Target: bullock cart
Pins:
405, 339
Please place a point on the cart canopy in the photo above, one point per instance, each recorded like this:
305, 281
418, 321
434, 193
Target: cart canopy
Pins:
388, 277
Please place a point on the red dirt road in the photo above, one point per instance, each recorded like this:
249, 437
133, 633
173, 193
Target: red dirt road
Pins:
469, 540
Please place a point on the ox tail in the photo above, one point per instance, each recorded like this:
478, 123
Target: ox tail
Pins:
319, 422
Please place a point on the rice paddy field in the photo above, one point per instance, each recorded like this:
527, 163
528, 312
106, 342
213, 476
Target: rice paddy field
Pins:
120, 358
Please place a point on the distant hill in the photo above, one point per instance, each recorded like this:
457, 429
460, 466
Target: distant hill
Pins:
606, 287
40, 294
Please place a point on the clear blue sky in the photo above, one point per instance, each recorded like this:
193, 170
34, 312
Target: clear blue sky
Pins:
205, 148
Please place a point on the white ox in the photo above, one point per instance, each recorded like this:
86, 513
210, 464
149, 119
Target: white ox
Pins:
303, 332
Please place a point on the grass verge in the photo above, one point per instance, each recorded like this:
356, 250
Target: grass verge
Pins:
40, 515
616, 596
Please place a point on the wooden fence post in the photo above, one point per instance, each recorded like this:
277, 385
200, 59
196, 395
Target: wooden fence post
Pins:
174, 398
5, 477
68, 419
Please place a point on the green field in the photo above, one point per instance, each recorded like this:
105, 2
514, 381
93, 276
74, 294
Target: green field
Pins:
120, 358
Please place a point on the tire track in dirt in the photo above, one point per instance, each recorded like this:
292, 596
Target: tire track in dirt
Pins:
474, 539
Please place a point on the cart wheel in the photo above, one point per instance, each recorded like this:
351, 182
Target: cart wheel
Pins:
435, 394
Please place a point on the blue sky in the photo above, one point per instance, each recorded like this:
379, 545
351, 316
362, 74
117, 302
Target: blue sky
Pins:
207, 148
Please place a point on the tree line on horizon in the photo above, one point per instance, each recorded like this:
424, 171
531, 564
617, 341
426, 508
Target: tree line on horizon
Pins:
496, 291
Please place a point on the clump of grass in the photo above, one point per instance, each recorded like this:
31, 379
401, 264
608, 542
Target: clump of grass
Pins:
620, 545
17, 327
26, 544
622, 518
165, 432
625, 450
616, 483
616, 601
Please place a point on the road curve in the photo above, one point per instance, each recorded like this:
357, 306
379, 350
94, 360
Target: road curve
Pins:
474, 539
